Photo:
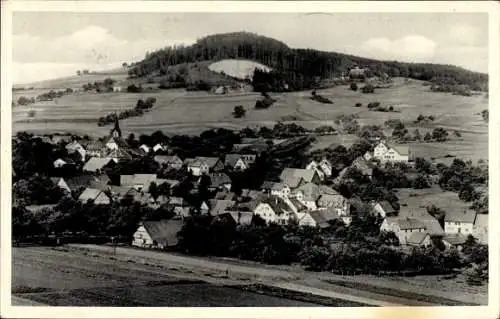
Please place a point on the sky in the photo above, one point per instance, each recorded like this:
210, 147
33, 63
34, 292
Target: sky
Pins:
54, 44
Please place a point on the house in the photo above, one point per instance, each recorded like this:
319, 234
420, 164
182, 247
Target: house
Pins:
392, 154
368, 156
383, 209
326, 167
140, 182
182, 211
100, 182
274, 210
75, 147
334, 201
419, 239
158, 147
56, 139
97, 164
314, 219
218, 181
172, 162
313, 165
239, 217
364, 166
117, 88
39, 209
176, 201
157, 234
459, 222
432, 225
204, 208
225, 194
357, 73
403, 227
236, 162
267, 186
116, 142
309, 193
96, 148
95, 195
58, 163
145, 148
61, 183
280, 189
218, 206
296, 206
249, 193
221, 90
454, 240
293, 176
480, 228
203, 165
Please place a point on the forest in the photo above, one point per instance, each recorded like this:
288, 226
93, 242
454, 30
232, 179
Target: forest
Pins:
300, 69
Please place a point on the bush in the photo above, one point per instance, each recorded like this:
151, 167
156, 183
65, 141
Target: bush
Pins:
239, 111
354, 86
358, 105
134, 89
373, 105
368, 89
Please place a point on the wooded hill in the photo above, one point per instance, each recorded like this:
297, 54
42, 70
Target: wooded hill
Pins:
298, 68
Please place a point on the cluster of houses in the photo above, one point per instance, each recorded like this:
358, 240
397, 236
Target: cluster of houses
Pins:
299, 196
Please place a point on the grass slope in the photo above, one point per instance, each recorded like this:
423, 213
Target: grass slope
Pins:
240, 69
75, 81
178, 111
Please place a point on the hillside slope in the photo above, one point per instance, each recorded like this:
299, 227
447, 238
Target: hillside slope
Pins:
298, 67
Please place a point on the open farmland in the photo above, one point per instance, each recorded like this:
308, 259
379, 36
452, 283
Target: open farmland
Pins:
237, 68
76, 81
61, 278
178, 112
422, 198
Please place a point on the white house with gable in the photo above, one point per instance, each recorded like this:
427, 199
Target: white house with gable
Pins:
387, 153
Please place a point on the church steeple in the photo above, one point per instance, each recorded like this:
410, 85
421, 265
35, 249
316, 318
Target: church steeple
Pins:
116, 131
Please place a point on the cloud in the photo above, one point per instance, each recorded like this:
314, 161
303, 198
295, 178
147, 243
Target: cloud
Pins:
414, 48
90, 45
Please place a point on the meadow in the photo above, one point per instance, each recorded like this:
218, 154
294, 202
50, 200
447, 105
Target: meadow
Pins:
181, 112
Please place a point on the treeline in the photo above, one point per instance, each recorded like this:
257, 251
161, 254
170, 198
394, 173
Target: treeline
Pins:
300, 69
139, 109
47, 96
358, 249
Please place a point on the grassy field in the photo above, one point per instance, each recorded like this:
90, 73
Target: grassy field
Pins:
76, 81
421, 198
61, 278
237, 68
177, 111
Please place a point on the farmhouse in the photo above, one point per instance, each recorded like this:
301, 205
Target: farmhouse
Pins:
97, 164
159, 147
95, 195
274, 210
314, 219
117, 88
383, 209
96, 148
237, 216
454, 240
140, 182
294, 176
172, 162
145, 148
421, 239
280, 189
203, 165
392, 154
403, 227
87, 180
238, 162
357, 73
219, 206
218, 181
459, 222
61, 183
309, 193
76, 147
157, 234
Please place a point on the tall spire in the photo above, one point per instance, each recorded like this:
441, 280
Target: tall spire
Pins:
116, 131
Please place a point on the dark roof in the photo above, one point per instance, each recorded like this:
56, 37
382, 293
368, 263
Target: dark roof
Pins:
40, 208
219, 179
267, 185
231, 159
99, 182
466, 216
387, 207
455, 239
164, 231
218, 206
277, 204
292, 176
319, 218
416, 238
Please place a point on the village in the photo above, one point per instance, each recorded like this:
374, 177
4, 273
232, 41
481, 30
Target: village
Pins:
301, 196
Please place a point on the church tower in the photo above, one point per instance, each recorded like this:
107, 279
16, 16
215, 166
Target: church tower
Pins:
116, 131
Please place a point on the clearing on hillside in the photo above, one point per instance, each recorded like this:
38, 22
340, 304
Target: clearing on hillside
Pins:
240, 69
